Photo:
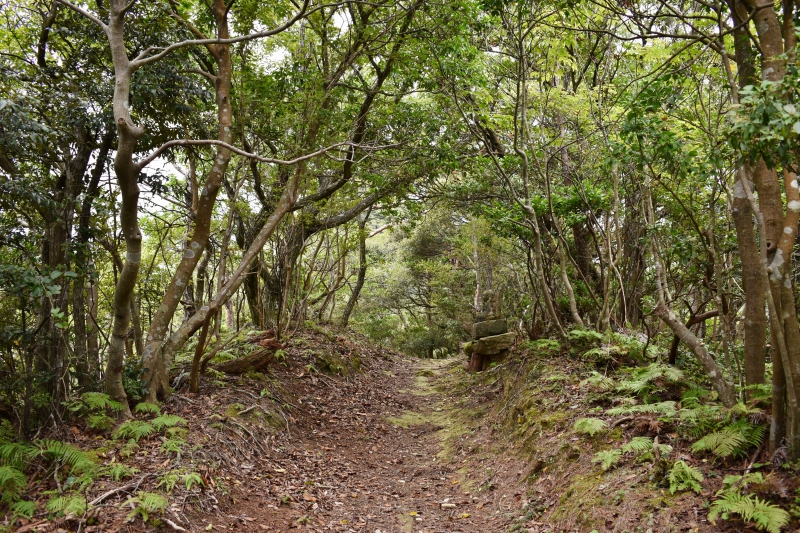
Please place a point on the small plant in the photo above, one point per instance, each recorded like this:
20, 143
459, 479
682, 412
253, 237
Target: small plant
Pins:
607, 458
167, 421
648, 379
191, 479
684, 477
99, 421
599, 381
146, 504
118, 471
168, 480
147, 408
750, 508
24, 509
590, 426
67, 504
733, 440
12, 483
133, 429
129, 448
173, 446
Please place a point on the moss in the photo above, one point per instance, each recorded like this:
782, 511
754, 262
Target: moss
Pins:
408, 419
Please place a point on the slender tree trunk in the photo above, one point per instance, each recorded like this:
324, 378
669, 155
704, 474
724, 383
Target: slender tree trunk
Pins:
362, 271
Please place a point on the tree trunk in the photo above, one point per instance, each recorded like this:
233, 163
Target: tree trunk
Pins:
154, 364
362, 271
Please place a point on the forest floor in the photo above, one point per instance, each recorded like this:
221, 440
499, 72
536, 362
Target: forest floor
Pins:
343, 436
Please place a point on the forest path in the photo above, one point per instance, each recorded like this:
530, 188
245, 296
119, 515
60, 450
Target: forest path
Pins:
375, 456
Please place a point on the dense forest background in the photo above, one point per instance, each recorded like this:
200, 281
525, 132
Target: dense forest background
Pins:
172, 173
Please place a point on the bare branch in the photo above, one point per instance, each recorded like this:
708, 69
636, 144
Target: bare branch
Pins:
145, 59
213, 142
88, 14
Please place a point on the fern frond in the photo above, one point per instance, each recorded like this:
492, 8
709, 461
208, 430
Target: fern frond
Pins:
24, 508
167, 421
590, 426
750, 508
638, 445
96, 401
731, 440
118, 471
599, 381
684, 477
145, 504
191, 479
147, 407
12, 481
666, 409
133, 429
67, 454
16, 454
73, 504
607, 458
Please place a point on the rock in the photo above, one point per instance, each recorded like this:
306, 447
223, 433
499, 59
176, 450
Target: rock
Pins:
494, 344
468, 347
489, 328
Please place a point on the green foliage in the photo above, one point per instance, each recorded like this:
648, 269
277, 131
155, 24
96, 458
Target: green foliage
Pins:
98, 421
684, 477
12, 482
119, 471
167, 421
67, 454
590, 426
750, 508
147, 408
67, 504
583, 339
97, 401
133, 429
168, 480
146, 504
173, 445
599, 381
24, 508
666, 409
607, 458
191, 479
543, 346
650, 378
733, 440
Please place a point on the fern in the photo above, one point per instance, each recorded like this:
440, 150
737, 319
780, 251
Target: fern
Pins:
191, 479
173, 446
168, 480
599, 381
733, 440
146, 504
97, 401
590, 426
167, 421
67, 454
12, 482
24, 508
118, 471
607, 458
638, 445
147, 407
684, 477
16, 455
750, 508
644, 379
99, 421
68, 504
666, 409
133, 429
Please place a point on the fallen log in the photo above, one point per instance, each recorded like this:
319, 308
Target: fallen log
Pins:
258, 361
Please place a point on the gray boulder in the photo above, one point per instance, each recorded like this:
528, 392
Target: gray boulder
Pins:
489, 328
494, 344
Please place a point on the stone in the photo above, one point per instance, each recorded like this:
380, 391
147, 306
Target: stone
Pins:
468, 347
494, 344
489, 328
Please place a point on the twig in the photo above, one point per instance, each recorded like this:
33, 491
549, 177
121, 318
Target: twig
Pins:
133, 485
173, 525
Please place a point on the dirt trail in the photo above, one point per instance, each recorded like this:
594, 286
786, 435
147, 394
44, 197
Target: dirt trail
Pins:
367, 456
